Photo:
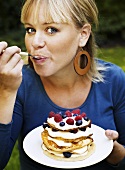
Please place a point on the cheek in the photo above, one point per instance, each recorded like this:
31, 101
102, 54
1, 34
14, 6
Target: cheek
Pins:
27, 43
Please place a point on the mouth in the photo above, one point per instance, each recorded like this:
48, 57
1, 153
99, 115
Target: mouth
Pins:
36, 57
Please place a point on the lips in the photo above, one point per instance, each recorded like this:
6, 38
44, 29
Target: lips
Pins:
37, 58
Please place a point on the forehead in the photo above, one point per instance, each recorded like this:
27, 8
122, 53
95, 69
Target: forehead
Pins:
47, 10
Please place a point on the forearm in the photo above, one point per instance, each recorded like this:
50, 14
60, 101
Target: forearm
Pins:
7, 101
117, 154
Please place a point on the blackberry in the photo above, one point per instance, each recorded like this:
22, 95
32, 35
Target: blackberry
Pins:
62, 123
64, 116
83, 129
54, 130
45, 125
74, 131
67, 154
78, 122
86, 118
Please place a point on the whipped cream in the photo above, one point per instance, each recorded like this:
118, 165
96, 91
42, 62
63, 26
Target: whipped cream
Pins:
67, 126
68, 135
60, 142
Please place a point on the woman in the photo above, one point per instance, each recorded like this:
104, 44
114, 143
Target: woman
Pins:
59, 35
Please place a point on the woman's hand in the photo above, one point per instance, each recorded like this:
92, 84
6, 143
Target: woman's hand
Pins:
118, 152
10, 78
10, 67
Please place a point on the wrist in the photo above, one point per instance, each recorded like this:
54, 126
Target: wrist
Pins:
117, 154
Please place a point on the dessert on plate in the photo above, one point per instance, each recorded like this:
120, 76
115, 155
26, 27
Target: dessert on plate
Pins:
68, 136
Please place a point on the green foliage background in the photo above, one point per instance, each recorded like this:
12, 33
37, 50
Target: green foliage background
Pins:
111, 22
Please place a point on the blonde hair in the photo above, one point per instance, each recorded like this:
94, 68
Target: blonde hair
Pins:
78, 12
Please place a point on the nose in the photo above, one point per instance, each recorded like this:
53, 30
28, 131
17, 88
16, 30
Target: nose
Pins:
38, 40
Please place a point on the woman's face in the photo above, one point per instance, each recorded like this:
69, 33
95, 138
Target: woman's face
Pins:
55, 45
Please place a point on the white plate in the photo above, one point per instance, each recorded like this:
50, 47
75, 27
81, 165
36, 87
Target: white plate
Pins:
32, 147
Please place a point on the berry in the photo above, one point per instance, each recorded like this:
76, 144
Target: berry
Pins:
54, 130
76, 111
67, 154
57, 118
62, 124
83, 129
86, 118
79, 117
75, 114
64, 116
68, 113
70, 121
74, 131
45, 125
79, 122
51, 114
83, 114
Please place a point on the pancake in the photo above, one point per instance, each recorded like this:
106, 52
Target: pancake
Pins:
68, 136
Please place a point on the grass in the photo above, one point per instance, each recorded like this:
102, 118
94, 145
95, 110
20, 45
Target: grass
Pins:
115, 55
13, 163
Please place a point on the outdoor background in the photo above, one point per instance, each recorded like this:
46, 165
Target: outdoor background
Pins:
110, 37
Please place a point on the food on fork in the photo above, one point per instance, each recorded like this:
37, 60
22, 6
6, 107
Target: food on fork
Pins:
68, 136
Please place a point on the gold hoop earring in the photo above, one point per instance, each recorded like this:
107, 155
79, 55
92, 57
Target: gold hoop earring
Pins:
82, 71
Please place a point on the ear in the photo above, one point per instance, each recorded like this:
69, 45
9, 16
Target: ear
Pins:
84, 35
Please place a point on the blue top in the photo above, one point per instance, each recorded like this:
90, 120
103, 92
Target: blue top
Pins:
105, 106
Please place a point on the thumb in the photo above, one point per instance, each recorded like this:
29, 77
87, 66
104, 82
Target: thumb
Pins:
111, 134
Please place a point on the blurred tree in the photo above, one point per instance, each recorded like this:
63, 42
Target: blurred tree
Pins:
11, 29
112, 21
9, 15
111, 27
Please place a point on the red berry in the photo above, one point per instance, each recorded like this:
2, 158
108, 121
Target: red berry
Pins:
79, 117
76, 111
70, 121
51, 114
68, 113
83, 114
58, 118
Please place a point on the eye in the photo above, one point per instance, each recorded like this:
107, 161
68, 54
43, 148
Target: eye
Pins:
30, 30
51, 30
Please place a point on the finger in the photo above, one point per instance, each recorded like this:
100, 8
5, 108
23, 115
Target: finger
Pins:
3, 45
13, 61
112, 134
18, 68
8, 54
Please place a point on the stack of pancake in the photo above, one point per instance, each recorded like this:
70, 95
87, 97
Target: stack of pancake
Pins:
68, 136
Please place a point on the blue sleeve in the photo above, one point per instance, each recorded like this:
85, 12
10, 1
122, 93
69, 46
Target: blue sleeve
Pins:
9, 134
5, 131
119, 105
119, 109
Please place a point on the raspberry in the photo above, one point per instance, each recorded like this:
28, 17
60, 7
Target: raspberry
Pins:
70, 121
76, 111
51, 114
79, 117
83, 114
68, 113
57, 118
